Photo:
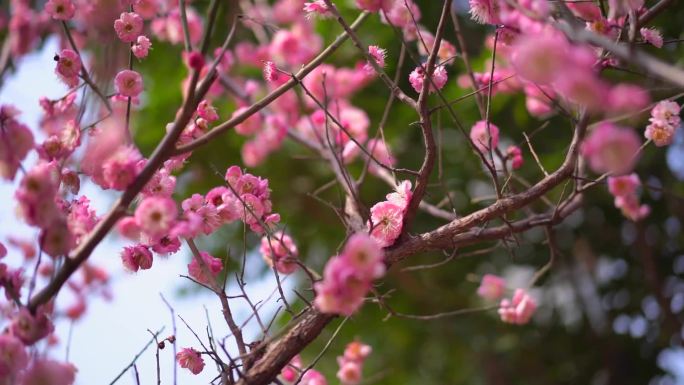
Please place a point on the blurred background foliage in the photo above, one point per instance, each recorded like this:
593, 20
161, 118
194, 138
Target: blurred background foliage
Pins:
610, 305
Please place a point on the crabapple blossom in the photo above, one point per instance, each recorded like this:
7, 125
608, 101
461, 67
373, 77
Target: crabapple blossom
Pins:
128, 26
317, 7
484, 11
519, 309
190, 359
290, 372
492, 287
128, 83
17, 141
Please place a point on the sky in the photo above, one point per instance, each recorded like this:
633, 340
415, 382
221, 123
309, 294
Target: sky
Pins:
112, 332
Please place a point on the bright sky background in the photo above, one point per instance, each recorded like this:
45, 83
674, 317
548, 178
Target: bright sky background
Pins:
111, 333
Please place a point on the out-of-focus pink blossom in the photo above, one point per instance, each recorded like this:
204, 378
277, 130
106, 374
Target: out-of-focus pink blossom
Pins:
482, 134
60, 9
208, 271
519, 309
280, 250
492, 287
611, 148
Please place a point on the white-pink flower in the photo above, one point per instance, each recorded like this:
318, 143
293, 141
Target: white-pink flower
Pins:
386, 222
492, 287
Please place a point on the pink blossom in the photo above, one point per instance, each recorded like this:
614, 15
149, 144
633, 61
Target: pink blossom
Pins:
631, 208
492, 287
417, 77
313, 377
666, 111
480, 135
280, 249
291, 371
36, 194
206, 111
147, 9
249, 126
31, 328
136, 257
68, 66
380, 151
3, 251
652, 36
623, 185
166, 245
212, 265
16, 142
141, 47
190, 359
402, 195
365, 255
128, 26
270, 72
342, 289
514, 153
611, 148
540, 58
627, 97
317, 7
378, 54
661, 134
519, 309
121, 168
162, 183
60, 9
587, 11
349, 372
357, 351
386, 222
44, 371
370, 5
57, 239
399, 15
128, 83
295, 46
583, 87
484, 11
128, 227
155, 215
13, 356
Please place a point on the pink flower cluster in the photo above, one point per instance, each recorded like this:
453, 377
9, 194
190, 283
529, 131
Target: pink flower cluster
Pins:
519, 309
624, 189
611, 148
348, 277
279, 250
665, 121
190, 359
351, 363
